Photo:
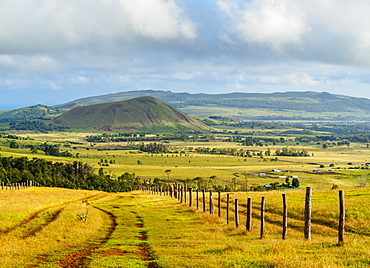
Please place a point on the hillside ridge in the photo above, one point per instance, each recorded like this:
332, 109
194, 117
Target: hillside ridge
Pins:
139, 114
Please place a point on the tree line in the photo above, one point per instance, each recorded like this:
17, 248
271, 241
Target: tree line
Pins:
74, 175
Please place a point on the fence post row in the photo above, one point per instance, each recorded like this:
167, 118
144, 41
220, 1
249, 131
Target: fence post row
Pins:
19, 186
180, 193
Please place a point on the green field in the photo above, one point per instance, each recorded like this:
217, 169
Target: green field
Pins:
46, 227
346, 164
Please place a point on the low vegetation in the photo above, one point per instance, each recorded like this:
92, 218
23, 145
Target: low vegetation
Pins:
41, 227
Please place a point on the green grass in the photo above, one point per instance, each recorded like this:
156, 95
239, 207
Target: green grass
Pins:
180, 236
226, 168
184, 237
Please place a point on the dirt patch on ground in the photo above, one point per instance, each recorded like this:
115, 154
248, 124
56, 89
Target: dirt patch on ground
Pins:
145, 252
76, 259
114, 252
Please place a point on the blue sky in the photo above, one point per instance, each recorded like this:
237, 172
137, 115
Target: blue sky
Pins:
54, 51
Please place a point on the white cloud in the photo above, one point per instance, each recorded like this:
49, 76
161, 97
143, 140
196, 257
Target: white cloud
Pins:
31, 63
119, 79
272, 22
37, 26
302, 79
52, 84
81, 79
182, 76
332, 31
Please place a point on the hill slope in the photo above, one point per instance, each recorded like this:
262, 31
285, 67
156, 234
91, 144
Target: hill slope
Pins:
251, 106
139, 114
31, 112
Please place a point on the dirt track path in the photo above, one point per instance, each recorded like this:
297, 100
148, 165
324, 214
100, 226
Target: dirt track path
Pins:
76, 259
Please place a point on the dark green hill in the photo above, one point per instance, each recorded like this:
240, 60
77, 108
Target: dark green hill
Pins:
252, 106
27, 113
143, 114
288, 106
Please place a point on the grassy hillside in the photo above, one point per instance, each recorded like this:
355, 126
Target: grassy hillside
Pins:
312, 106
31, 112
251, 106
139, 114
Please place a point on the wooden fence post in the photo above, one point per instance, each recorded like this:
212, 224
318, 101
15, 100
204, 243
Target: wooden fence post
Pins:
342, 215
190, 197
210, 202
227, 208
175, 190
262, 233
219, 203
248, 224
307, 213
236, 213
285, 217
204, 200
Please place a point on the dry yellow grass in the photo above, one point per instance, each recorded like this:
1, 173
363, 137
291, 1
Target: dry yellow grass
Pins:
37, 222
177, 235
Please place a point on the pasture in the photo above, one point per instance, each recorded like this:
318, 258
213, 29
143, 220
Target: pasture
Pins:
40, 228
346, 163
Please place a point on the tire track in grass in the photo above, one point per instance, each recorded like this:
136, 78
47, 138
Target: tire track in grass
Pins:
50, 217
37, 214
77, 258
145, 252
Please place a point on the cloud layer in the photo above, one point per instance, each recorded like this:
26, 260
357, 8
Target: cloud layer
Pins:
78, 48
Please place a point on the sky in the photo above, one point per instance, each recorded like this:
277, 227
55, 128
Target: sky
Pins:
55, 51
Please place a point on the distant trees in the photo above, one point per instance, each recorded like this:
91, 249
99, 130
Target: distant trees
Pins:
75, 175
13, 144
153, 148
295, 183
285, 151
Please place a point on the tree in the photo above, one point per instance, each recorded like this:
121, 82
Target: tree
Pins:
13, 144
33, 149
168, 172
295, 183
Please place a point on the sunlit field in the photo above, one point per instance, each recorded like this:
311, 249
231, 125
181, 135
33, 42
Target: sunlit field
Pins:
187, 164
41, 228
